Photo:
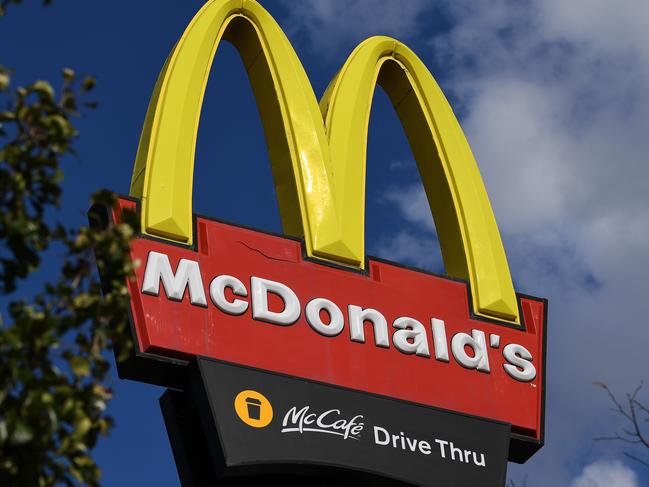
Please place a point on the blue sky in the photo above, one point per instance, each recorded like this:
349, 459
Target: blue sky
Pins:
554, 98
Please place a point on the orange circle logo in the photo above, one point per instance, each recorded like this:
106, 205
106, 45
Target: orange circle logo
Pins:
253, 408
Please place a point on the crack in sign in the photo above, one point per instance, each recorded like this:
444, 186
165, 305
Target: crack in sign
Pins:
265, 254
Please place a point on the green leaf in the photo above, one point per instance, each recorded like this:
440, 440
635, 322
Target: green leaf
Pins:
22, 433
88, 83
43, 88
68, 74
80, 366
3, 431
5, 80
81, 428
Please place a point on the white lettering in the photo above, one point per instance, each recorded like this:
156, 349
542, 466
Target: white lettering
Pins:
455, 451
188, 274
439, 340
520, 365
336, 320
481, 462
442, 444
424, 447
327, 422
478, 343
217, 293
401, 441
384, 432
260, 289
410, 337
357, 318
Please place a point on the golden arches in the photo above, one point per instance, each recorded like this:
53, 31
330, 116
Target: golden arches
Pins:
466, 227
320, 173
164, 167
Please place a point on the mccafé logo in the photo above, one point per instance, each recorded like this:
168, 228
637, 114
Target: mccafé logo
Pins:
329, 422
306, 303
410, 336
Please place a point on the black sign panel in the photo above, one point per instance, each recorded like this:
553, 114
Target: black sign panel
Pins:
257, 422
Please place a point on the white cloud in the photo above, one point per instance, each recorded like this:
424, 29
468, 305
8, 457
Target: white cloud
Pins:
333, 24
610, 28
606, 474
557, 110
413, 204
554, 98
412, 249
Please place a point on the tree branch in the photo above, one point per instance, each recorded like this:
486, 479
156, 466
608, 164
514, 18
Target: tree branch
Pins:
635, 413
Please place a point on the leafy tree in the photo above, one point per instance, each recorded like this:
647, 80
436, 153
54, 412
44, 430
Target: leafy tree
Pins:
53, 346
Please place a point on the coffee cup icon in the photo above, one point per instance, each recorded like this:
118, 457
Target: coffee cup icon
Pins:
254, 408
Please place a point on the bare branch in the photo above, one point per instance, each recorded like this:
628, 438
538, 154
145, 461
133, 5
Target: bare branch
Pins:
514, 484
640, 461
636, 413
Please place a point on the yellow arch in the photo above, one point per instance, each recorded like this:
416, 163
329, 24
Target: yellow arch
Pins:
164, 167
470, 241
320, 174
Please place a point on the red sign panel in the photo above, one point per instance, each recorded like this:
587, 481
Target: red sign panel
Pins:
252, 298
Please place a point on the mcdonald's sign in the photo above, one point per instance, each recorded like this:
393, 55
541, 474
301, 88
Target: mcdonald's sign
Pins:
309, 305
